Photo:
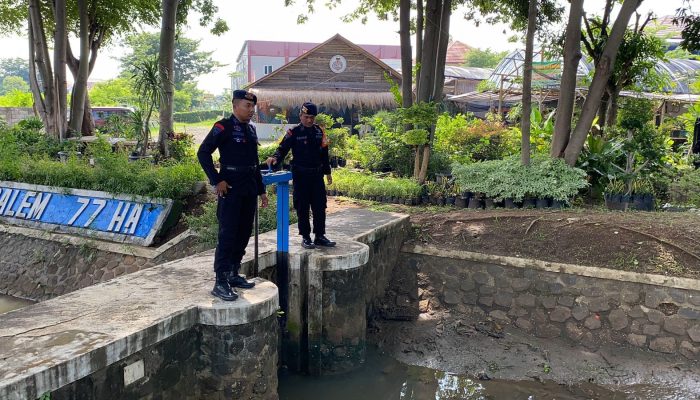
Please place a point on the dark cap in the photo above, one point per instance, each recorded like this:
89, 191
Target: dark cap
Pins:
309, 108
245, 95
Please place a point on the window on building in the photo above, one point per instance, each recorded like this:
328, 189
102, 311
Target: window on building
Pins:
268, 69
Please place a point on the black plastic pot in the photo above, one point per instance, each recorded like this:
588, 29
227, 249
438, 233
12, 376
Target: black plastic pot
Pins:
489, 204
450, 201
509, 203
475, 203
334, 162
425, 199
542, 202
649, 202
528, 202
342, 162
461, 201
441, 201
558, 204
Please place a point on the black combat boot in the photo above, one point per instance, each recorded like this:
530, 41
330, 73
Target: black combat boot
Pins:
236, 280
307, 243
322, 240
222, 289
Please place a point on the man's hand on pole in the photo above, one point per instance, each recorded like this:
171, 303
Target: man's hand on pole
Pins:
329, 179
263, 200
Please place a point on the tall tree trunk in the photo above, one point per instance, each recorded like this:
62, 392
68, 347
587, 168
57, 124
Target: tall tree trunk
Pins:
567, 92
527, 83
80, 85
406, 53
443, 43
166, 66
603, 111
430, 47
416, 162
603, 69
59, 65
419, 37
438, 80
39, 106
88, 126
611, 116
43, 64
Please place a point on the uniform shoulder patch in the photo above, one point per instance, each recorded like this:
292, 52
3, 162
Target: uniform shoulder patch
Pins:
218, 128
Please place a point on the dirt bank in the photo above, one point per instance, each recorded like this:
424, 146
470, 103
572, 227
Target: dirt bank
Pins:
469, 343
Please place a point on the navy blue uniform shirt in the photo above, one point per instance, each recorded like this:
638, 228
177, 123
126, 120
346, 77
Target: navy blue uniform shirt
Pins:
238, 147
309, 148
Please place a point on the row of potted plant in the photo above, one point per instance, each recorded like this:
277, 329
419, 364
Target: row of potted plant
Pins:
638, 196
366, 186
546, 182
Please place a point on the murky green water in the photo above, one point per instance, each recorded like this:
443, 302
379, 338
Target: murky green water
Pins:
8, 303
384, 378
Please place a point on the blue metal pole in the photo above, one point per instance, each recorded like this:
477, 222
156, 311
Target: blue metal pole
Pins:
282, 179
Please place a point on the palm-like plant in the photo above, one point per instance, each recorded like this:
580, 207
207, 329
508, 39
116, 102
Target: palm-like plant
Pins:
147, 84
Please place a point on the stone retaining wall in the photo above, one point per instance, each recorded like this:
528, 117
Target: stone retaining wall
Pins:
39, 266
576, 306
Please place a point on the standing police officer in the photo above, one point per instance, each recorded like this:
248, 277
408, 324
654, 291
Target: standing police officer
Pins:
310, 162
238, 183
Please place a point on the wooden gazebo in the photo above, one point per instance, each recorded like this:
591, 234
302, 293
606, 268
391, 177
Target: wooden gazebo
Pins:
342, 78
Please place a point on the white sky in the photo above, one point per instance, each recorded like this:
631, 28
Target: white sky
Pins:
270, 20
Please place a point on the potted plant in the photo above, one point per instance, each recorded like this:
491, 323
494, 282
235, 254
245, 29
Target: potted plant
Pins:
643, 198
476, 201
613, 194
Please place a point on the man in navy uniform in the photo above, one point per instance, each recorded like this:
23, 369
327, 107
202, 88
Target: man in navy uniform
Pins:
237, 184
310, 162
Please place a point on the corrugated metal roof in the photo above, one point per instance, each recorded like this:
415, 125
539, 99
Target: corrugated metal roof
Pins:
680, 72
467, 72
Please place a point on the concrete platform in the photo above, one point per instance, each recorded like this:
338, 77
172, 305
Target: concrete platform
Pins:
54, 343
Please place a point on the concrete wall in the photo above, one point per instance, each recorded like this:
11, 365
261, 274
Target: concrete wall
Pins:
37, 265
203, 362
13, 115
588, 306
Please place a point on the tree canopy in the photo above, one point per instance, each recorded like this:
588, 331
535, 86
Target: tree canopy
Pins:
486, 58
190, 63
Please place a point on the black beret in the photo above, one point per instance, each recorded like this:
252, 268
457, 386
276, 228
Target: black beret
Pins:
245, 95
309, 108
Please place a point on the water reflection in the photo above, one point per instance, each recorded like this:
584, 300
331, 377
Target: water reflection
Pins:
383, 378
8, 303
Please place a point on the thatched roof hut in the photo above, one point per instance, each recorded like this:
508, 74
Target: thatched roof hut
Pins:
336, 74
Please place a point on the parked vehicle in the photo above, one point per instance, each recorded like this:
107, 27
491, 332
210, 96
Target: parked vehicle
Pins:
101, 114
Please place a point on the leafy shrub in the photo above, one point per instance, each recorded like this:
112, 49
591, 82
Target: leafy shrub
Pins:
337, 135
468, 139
31, 159
182, 147
266, 151
686, 190
384, 148
206, 226
356, 184
507, 178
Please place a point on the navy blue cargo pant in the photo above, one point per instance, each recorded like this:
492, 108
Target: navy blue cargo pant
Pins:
310, 191
236, 215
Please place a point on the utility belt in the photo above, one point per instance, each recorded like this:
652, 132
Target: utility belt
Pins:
307, 170
239, 168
